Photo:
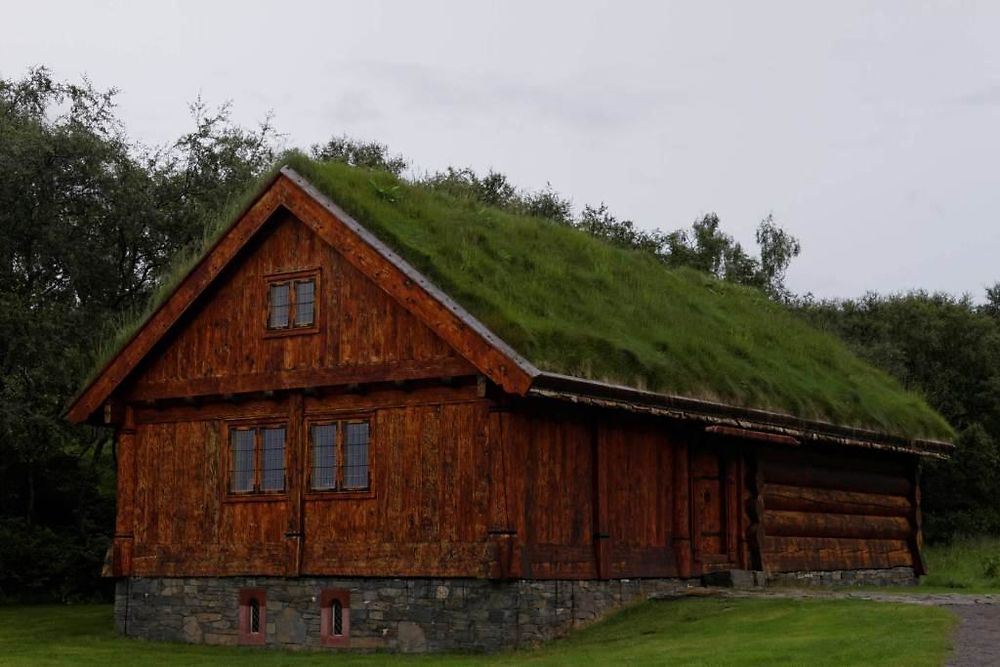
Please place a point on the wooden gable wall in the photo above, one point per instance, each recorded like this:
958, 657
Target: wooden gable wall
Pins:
223, 347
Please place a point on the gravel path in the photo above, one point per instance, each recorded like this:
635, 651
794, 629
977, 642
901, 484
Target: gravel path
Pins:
977, 641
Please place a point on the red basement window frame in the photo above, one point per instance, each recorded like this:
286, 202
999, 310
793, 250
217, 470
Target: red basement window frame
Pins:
253, 616
335, 617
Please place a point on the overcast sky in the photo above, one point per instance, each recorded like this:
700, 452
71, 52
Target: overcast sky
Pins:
869, 130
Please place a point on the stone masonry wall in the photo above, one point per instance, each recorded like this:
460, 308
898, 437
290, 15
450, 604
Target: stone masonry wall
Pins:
896, 576
408, 615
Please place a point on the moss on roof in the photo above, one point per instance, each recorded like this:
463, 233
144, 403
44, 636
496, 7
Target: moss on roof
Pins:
573, 304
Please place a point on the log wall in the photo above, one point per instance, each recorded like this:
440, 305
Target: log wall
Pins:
836, 511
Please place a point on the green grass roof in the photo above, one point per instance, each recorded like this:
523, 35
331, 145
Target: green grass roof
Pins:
576, 305
573, 304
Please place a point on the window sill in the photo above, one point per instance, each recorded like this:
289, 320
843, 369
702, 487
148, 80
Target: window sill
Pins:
292, 331
340, 495
255, 497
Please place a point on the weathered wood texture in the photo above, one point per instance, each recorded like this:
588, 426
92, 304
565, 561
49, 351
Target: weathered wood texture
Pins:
603, 497
466, 479
363, 335
426, 513
829, 511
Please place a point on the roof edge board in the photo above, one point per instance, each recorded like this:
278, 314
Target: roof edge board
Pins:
595, 392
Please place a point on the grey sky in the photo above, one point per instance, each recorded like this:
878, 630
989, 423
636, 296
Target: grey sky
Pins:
868, 129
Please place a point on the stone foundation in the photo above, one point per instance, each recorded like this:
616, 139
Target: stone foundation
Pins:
412, 615
895, 576
408, 615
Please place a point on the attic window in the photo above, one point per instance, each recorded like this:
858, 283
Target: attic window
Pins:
291, 302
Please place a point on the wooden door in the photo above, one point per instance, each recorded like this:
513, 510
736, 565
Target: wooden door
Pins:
712, 518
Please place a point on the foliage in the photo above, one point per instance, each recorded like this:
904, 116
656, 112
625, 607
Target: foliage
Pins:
573, 304
355, 153
496, 190
89, 226
704, 247
948, 349
689, 632
968, 565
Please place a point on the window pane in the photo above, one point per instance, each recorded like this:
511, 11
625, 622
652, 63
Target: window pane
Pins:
278, 317
254, 616
305, 298
241, 475
337, 609
324, 456
274, 459
356, 456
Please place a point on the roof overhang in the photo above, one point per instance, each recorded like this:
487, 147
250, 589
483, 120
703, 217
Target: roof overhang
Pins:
749, 421
492, 356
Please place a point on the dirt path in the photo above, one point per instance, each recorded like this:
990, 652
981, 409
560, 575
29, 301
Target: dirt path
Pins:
977, 640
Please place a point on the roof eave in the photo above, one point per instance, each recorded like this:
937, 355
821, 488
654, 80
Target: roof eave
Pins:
606, 395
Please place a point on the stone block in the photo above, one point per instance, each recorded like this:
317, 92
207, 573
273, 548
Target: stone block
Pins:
411, 637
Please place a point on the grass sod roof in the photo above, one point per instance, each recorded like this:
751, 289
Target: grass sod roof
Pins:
575, 305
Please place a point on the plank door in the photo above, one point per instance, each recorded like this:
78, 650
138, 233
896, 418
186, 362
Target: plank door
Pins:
713, 515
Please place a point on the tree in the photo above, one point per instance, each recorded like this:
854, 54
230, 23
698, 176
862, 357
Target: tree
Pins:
948, 350
368, 154
89, 224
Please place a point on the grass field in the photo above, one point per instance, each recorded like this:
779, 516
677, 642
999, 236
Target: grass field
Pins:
970, 565
688, 632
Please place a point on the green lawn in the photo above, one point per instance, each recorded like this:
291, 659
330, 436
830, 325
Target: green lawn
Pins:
687, 632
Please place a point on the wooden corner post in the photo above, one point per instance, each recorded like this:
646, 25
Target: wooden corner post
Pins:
124, 539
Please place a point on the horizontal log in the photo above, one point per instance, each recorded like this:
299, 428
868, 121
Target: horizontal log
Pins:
563, 553
848, 480
812, 524
430, 559
192, 560
321, 377
790, 554
839, 459
834, 501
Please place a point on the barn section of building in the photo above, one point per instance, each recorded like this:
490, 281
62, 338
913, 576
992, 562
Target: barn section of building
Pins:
427, 425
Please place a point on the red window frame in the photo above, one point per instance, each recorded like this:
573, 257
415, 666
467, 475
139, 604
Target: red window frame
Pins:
248, 638
326, 599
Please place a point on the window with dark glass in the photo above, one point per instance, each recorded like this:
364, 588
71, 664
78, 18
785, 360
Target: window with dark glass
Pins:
257, 459
291, 302
335, 617
340, 455
253, 616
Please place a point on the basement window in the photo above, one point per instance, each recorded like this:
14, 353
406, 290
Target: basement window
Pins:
256, 458
253, 616
335, 617
291, 302
340, 455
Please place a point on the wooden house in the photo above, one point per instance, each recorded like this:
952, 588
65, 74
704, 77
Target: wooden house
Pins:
326, 438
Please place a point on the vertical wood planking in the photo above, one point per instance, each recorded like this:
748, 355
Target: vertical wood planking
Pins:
682, 516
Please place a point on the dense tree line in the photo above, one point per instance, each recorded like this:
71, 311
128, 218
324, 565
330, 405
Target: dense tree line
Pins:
91, 221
